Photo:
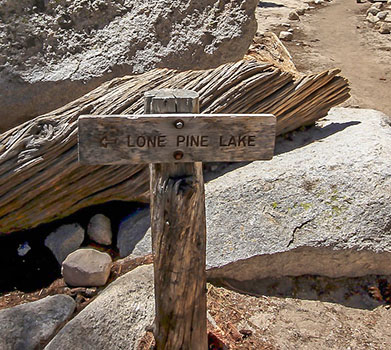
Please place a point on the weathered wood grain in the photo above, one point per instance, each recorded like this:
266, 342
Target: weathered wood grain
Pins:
41, 180
178, 228
142, 139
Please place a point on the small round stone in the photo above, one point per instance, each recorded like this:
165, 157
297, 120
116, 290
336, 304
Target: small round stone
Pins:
99, 229
86, 268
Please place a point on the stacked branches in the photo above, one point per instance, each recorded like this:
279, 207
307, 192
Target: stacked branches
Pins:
41, 180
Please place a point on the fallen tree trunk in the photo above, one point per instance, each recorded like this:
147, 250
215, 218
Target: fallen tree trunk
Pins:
41, 179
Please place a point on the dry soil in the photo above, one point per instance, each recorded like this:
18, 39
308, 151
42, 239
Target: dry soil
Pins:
336, 35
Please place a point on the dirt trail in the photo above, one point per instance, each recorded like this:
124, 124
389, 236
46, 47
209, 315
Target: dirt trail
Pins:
338, 36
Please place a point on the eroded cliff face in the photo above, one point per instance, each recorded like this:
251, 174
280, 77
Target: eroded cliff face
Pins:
53, 51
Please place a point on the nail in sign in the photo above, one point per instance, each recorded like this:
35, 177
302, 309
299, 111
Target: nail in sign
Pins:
169, 138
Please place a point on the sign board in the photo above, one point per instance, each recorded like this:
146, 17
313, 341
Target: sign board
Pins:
169, 138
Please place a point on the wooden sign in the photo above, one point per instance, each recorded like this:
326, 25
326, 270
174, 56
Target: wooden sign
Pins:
175, 143
169, 138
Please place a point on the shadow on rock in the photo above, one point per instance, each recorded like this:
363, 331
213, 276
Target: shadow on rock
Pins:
265, 4
300, 138
351, 292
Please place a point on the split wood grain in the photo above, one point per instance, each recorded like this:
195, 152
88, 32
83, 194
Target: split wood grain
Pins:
158, 139
41, 179
178, 229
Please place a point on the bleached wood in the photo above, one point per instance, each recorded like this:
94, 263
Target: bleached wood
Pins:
156, 139
41, 179
178, 240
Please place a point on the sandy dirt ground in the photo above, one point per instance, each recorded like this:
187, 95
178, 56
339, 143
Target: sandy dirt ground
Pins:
243, 322
336, 35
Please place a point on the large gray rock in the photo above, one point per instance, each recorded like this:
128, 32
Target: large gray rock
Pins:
60, 50
132, 238
116, 319
65, 240
86, 268
321, 206
31, 325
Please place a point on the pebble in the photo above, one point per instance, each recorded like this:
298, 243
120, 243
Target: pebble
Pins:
378, 5
372, 19
385, 28
373, 10
382, 15
23, 249
99, 229
294, 16
286, 36
300, 12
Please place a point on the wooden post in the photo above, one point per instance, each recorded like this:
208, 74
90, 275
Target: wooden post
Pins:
178, 238
176, 140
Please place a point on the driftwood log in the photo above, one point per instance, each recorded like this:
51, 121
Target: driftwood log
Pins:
267, 47
41, 179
